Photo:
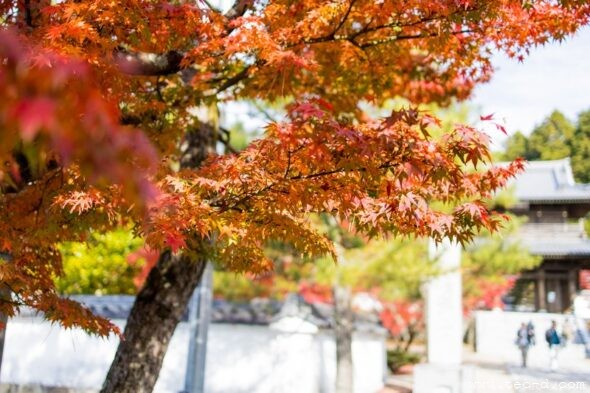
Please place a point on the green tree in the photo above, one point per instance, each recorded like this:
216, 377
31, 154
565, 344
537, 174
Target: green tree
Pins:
580, 148
100, 266
555, 138
551, 139
517, 145
394, 268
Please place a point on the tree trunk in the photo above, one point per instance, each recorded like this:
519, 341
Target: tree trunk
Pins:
158, 308
4, 295
343, 328
161, 302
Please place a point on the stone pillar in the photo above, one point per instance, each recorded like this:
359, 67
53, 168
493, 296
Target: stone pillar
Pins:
572, 287
444, 316
444, 326
199, 318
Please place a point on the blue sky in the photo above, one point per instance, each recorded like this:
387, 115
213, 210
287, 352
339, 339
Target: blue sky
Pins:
556, 76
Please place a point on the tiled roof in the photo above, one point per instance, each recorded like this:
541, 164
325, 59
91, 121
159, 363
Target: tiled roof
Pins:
559, 247
555, 239
254, 312
550, 181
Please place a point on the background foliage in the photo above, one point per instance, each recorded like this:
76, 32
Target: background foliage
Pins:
554, 138
100, 266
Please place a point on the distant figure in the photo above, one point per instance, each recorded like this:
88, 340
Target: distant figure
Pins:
554, 343
531, 329
567, 332
524, 340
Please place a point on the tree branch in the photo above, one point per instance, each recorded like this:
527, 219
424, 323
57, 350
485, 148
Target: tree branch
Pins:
407, 37
343, 20
225, 206
155, 64
148, 64
238, 9
211, 7
234, 79
224, 137
264, 112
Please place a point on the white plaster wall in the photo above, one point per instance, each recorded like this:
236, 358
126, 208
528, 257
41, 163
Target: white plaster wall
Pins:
240, 359
496, 332
368, 357
370, 369
37, 352
244, 359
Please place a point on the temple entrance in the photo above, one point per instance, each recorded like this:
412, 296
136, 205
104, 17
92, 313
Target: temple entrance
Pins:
558, 298
551, 287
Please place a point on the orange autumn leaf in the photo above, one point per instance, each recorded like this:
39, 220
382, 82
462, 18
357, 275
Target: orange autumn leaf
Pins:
97, 95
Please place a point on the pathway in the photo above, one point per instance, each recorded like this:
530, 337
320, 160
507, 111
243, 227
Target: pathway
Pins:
506, 375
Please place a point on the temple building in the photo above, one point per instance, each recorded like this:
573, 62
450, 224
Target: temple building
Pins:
556, 207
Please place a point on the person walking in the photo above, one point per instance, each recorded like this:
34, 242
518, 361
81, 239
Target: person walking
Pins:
531, 330
554, 342
567, 332
524, 340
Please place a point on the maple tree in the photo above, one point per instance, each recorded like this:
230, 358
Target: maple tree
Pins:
404, 320
100, 128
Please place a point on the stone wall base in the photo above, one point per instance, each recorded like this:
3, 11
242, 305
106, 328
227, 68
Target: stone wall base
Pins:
13, 388
432, 378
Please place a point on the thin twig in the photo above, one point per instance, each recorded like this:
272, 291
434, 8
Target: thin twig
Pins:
211, 7
343, 20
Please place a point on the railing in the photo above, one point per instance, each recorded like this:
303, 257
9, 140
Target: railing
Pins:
570, 230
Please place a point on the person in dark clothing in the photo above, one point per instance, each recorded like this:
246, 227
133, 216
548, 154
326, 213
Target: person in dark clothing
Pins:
554, 342
531, 333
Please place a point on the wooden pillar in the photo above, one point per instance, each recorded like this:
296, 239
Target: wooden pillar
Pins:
541, 295
536, 293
